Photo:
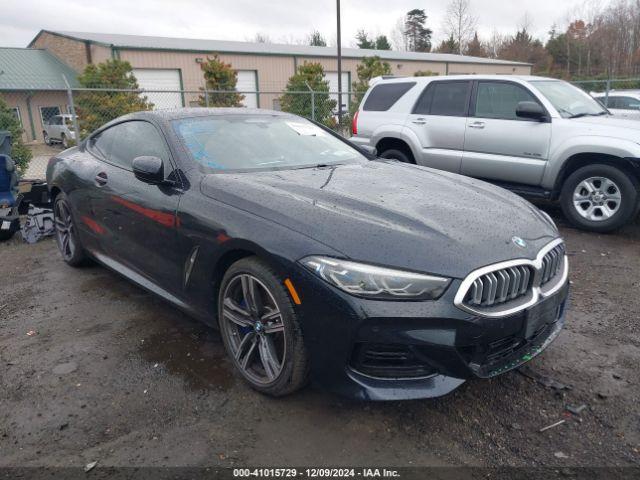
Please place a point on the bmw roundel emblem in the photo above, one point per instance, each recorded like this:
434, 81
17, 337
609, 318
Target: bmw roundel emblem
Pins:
519, 242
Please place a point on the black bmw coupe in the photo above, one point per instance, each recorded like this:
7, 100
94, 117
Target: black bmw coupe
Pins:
376, 279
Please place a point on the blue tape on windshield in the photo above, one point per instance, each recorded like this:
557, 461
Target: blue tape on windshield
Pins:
190, 132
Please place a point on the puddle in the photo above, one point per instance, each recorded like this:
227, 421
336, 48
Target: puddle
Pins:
194, 352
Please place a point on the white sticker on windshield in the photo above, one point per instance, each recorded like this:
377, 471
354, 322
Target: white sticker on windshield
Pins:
306, 129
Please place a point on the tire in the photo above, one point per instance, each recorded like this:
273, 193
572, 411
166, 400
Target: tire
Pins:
599, 198
64, 141
4, 235
66, 232
47, 139
269, 354
394, 154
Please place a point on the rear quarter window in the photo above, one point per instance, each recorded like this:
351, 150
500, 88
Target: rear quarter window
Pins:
384, 96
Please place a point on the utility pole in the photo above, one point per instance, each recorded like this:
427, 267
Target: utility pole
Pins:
339, 65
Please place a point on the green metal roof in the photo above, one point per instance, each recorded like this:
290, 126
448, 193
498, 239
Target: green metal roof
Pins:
33, 69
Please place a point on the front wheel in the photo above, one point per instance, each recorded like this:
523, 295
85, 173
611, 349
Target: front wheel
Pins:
66, 232
394, 154
260, 328
599, 198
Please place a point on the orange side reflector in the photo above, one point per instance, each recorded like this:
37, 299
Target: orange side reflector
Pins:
292, 291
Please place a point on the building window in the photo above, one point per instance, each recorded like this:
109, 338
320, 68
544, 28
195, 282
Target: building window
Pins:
47, 113
16, 112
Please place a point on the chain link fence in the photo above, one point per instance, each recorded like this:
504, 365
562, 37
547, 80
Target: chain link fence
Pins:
89, 108
607, 86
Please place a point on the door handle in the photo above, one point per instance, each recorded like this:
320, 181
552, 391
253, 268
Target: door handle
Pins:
101, 179
478, 125
419, 121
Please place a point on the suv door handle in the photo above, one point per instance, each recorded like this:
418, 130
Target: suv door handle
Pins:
101, 179
419, 121
478, 125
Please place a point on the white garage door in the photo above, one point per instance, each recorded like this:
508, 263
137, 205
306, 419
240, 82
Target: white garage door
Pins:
333, 88
247, 83
157, 79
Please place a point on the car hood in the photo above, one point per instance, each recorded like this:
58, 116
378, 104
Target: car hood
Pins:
609, 126
392, 214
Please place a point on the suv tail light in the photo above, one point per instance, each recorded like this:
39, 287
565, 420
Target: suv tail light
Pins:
354, 123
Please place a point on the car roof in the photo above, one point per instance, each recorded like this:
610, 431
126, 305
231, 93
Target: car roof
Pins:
179, 113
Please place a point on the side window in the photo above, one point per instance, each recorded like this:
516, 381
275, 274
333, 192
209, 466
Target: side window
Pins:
500, 100
627, 103
384, 96
122, 143
450, 99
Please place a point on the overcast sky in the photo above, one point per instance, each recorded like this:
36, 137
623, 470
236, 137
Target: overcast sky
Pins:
283, 21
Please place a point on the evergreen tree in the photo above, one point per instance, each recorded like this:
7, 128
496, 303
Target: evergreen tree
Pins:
220, 77
95, 108
296, 99
417, 34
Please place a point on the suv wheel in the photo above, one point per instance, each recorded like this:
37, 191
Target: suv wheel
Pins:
394, 154
600, 198
64, 141
260, 328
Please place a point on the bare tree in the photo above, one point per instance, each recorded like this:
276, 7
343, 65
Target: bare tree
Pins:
261, 38
460, 23
398, 36
494, 44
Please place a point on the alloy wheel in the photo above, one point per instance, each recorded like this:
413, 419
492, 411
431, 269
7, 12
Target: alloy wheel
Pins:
597, 198
65, 229
254, 327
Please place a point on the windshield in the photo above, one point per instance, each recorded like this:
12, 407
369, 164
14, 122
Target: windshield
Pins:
259, 142
570, 101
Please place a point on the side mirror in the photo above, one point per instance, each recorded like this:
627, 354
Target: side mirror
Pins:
149, 169
373, 151
531, 110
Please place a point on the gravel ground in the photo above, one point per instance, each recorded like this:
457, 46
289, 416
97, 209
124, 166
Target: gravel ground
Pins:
94, 369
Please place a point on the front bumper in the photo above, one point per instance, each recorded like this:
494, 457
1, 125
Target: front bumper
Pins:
376, 350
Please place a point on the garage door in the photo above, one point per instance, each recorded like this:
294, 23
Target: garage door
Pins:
247, 83
333, 88
158, 79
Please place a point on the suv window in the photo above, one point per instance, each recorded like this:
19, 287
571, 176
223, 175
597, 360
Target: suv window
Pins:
384, 96
500, 100
449, 99
123, 142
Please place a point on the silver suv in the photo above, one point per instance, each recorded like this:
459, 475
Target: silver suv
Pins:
59, 128
538, 137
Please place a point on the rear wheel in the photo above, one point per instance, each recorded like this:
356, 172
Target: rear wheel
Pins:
66, 232
599, 198
395, 154
260, 328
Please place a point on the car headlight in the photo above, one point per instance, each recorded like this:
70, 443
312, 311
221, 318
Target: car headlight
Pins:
376, 282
